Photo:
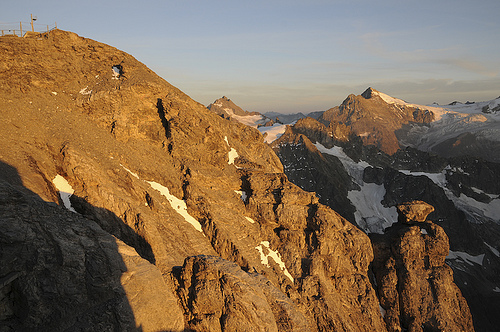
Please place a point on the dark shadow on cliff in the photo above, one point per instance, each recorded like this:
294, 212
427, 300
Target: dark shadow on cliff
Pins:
112, 224
58, 270
161, 113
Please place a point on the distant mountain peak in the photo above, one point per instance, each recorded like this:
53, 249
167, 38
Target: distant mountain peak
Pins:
370, 92
229, 110
376, 116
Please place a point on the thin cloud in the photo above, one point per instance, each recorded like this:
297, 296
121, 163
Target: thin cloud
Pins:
470, 65
374, 44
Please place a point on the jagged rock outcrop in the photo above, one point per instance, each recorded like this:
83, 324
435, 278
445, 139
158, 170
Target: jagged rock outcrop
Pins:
415, 285
225, 107
329, 255
326, 135
413, 212
219, 296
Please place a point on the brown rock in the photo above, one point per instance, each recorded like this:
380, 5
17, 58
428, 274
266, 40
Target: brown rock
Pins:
62, 272
152, 301
416, 211
219, 296
369, 113
152, 167
415, 285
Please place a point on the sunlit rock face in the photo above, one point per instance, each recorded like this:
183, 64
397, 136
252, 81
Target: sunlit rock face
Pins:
61, 271
169, 203
415, 285
376, 118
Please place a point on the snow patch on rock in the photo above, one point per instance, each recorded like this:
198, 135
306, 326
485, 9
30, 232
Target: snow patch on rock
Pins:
243, 194
65, 191
493, 250
130, 172
232, 154
177, 204
274, 255
84, 91
465, 257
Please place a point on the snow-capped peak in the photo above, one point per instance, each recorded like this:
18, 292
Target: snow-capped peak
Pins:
455, 108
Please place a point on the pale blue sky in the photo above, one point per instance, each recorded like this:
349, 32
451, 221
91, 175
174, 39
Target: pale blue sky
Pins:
292, 56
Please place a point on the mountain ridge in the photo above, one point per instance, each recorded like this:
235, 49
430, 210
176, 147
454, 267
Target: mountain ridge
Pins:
203, 201
369, 184
470, 128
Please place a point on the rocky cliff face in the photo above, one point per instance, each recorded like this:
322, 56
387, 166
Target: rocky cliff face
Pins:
61, 271
373, 183
128, 206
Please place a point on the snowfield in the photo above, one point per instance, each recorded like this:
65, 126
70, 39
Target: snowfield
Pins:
451, 121
370, 214
273, 132
249, 120
465, 257
467, 204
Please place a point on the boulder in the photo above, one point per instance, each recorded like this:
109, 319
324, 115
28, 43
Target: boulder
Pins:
416, 211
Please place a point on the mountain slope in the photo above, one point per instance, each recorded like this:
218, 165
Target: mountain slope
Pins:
452, 130
200, 200
226, 108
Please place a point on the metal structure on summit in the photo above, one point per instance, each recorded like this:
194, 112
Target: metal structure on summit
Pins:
13, 31
32, 28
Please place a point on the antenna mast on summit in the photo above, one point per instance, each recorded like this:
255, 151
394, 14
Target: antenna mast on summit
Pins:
32, 19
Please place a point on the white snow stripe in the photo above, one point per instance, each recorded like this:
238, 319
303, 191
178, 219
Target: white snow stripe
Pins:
132, 173
177, 204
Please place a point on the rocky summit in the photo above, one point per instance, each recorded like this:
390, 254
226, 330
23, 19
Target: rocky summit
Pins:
127, 206
374, 119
